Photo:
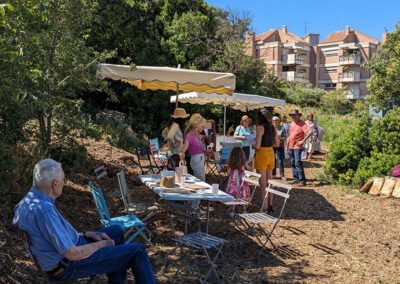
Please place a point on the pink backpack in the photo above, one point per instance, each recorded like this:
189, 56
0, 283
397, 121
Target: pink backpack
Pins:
396, 171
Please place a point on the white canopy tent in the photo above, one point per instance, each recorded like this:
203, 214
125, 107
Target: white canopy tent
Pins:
167, 78
242, 102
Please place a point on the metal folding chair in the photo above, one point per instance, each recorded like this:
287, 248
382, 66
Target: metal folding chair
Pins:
101, 174
147, 208
253, 180
159, 159
213, 166
144, 161
130, 222
252, 222
190, 243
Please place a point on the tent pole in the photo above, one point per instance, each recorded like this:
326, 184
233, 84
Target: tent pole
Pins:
224, 122
177, 94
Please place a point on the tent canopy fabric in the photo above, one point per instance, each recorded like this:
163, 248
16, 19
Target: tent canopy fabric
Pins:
167, 78
242, 102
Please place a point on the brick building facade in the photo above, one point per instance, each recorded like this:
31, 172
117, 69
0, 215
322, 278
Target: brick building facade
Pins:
332, 64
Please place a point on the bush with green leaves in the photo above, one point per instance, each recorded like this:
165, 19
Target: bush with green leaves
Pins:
378, 164
303, 97
347, 152
336, 102
371, 149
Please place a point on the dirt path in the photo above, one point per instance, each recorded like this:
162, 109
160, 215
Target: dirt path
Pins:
328, 235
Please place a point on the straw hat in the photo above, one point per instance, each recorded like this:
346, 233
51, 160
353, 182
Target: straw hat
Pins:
180, 113
295, 112
167, 181
197, 119
244, 117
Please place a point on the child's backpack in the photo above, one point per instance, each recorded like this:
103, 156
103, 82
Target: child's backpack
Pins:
396, 171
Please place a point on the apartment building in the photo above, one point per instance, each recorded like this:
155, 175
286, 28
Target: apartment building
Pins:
332, 64
285, 53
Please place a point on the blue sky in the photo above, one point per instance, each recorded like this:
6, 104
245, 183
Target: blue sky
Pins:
323, 16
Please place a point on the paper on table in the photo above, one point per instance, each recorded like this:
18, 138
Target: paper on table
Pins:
251, 139
195, 186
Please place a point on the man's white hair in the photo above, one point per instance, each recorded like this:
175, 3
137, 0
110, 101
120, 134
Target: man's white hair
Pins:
44, 172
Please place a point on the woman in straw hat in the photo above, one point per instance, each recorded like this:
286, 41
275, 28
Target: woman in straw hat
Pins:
173, 133
241, 133
266, 138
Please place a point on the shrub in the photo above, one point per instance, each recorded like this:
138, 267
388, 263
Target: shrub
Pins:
379, 164
371, 149
336, 102
303, 97
385, 134
347, 152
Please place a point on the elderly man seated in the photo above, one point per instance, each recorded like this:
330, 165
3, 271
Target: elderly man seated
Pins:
60, 250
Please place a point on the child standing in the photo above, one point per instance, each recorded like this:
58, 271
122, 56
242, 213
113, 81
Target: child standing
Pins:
237, 164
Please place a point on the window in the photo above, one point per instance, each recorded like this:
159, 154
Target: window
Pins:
313, 40
330, 86
285, 68
331, 52
257, 53
330, 69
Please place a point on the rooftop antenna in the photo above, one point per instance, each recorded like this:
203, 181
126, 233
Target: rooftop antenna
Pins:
305, 28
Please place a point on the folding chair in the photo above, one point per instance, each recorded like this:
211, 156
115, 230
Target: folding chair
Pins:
220, 171
130, 222
101, 174
253, 180
144, 161
160, 159
47, 279
252, 221
195, 241
213, 165
149, 208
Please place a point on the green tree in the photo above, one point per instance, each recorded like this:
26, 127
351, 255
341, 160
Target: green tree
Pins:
384, 84
52, 62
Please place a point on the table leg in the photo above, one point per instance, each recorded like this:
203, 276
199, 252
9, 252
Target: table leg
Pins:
207, 215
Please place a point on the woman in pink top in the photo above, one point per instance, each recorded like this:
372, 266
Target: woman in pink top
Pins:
193, 145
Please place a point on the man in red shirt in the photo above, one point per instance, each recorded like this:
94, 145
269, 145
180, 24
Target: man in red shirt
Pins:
298, 134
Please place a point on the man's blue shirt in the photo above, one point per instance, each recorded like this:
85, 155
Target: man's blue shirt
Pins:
51, 235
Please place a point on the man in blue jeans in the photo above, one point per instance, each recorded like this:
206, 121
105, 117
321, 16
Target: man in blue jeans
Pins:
298, 134
61, 251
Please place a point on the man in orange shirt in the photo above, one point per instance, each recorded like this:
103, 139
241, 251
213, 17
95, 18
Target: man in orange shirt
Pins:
298, 134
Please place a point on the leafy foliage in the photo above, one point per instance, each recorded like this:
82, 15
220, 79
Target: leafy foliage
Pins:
384, 84
371, 149
303, 97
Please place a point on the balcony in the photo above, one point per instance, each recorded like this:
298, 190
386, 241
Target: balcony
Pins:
293, 76
353, 94
349, 77
351, 59
292, 59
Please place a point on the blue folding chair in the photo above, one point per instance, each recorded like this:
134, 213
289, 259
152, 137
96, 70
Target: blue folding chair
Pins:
130, 222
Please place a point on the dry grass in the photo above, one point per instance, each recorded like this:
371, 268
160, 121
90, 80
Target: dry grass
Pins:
326, 236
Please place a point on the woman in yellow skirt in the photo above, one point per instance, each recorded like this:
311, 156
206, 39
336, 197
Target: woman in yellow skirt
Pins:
266, 138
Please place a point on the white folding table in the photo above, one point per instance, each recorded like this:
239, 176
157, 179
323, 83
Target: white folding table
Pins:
203, 194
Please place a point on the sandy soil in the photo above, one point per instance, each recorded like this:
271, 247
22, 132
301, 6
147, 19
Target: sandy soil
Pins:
327, 234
